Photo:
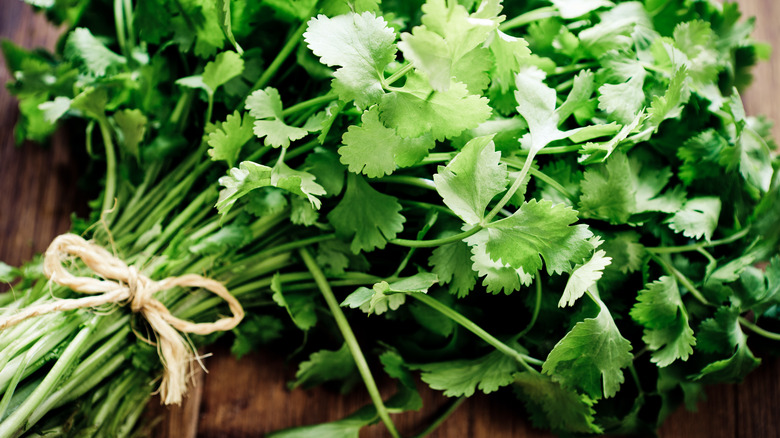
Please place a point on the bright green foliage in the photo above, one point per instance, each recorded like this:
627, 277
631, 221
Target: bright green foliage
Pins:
366, 216
498, 276
577, 8
298, 182
228, 237
462, 377
536, 103
229, 137
299, 306
472, 179
447, 38
132, 126
723, 334
670, 105
416, 109
375, 150
242, 180
583, 277
661, 311
362, 45
590, 357
697, 218
536, 229
389, 296
266, 107
223, 68
82, 46
559, 408
452, 264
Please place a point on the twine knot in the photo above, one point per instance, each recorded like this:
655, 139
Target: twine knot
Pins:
122, 284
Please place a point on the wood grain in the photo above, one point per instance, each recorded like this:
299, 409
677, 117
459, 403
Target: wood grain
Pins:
248, 398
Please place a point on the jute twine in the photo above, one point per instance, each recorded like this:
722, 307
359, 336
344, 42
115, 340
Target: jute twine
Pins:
122, 284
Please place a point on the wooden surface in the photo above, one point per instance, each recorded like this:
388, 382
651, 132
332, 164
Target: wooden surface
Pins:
248, 398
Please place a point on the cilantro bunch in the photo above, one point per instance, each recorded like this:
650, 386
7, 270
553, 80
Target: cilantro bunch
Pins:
565, 198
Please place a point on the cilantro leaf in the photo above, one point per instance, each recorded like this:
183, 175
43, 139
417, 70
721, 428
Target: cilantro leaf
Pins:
240, 181
298, 182
362, 45
452, 264
326, 366
698, 217
563, 409
366, 216
590, 356
254, 331
577, 8
498, 276
508, 53
472, 179
266, 107
462, 377
416, 109
132, 125
375, 150
225, 66
670, 105
536, 229
667, 333
723, 334
583, 277
299, 306
384, 296
83, 47
229, 137
536, 103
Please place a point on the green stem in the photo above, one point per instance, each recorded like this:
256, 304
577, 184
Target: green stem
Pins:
529, 17
437, 242
512, 190
573, 68
441, 418
758, 330
119, 23
682, 279
466, 323
537, 307
407, 180
349, 338
544, 177
128, 13
693, 247
110, 193
289, 46
551, 150
397, 75
306, 104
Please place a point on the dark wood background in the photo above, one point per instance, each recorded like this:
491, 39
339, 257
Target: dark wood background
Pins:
248, 398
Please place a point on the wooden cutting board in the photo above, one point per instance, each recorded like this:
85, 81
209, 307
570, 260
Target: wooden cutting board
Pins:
248, 398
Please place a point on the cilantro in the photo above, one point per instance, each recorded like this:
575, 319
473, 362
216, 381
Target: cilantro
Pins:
462, 377
266, 108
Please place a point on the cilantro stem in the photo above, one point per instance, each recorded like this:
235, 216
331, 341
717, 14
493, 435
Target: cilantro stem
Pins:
543, 176
288, 47
573, 68
407, 180
681, 278
108, 197
537, 307
512, 190
403, 71
119, 22
426, 206
466, 323
437, 157
696, 246
349, 338
306, 104
454, 405
529, 17
758, 330
552, 150
437, 242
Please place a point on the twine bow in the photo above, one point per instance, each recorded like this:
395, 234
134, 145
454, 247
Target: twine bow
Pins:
122, 284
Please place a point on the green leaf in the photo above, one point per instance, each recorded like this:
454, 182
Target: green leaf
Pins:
407, 398
226, 66
384, 296
299, 306
266, 107
509, 53
452, 264
590, 357
347, 427
228, 237
498, 276
298, 182
445, 38
563, 409
375, 150
366, 216
723, 334
326, 366
698, 217
536, 229
362, 45
81, 46
462, 377
669, 106
54, 109
583, 277
229, 137
536, 103
254, 331
302, 212
8, 273
132, 125
416, 109
609, 191
240, 181
626, 251
472, 179
667, 333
